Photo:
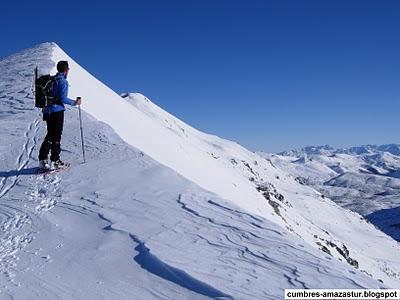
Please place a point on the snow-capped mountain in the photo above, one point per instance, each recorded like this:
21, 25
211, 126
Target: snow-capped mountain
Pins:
328, 150
364, 179
161, 209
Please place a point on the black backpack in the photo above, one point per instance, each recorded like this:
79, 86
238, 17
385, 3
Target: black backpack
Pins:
44, 90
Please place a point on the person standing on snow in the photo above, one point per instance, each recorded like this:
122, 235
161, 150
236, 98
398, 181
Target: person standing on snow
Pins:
54, 117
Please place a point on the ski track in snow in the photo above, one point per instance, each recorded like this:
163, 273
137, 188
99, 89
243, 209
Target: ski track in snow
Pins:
7, 183
16, 219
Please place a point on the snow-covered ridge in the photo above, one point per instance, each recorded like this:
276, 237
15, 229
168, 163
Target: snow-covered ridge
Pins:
223, 218
175, 148
236, 174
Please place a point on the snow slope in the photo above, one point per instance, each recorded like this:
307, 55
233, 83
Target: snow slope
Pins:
161, 210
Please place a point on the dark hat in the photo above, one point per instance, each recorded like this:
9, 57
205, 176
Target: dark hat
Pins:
62, 66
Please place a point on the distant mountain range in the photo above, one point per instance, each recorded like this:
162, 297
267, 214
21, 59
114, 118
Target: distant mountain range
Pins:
326, 149
364, 179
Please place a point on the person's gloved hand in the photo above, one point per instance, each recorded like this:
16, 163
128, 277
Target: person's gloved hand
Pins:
78, 100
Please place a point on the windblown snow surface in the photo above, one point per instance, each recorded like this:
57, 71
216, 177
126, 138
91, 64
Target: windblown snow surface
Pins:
161, 210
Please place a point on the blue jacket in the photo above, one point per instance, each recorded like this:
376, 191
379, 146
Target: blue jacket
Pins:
60, 90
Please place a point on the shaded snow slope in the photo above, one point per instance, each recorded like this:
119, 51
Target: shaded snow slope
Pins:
132, 224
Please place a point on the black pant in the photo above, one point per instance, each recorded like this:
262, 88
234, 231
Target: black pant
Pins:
55, 124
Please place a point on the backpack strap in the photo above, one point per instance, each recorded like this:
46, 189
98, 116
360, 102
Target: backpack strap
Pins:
57, 99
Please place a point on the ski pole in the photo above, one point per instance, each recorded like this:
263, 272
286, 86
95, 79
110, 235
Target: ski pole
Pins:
80, 122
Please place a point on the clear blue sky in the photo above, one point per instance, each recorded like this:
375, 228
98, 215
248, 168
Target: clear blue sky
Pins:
272, 75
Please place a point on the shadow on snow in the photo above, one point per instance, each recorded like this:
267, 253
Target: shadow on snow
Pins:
154, 265
28, 171
388, 221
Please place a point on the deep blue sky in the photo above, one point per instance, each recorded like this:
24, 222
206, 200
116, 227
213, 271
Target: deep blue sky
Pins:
272, 75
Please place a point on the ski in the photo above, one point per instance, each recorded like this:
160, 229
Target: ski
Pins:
52, 171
